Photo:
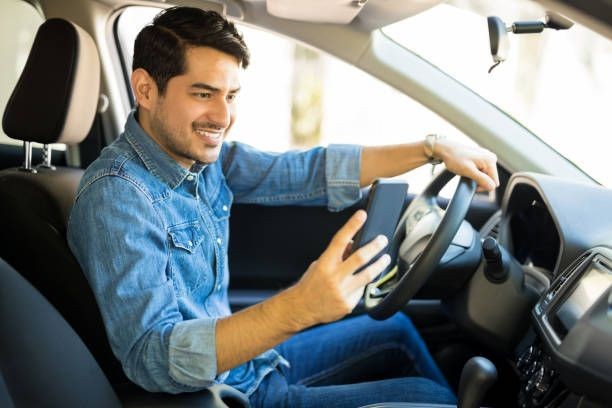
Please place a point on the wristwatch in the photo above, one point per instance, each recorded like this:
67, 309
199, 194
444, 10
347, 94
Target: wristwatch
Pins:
430, 144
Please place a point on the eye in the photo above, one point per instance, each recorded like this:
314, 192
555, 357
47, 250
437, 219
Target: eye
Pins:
202, 95
232, 97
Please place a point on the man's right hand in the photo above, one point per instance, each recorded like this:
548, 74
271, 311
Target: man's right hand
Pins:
330, 289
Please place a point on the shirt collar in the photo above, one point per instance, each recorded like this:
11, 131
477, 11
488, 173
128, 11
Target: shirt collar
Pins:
157, 161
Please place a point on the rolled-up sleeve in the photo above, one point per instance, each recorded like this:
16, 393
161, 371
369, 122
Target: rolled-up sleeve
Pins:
192, 342
157, 348
319, 176
342, 174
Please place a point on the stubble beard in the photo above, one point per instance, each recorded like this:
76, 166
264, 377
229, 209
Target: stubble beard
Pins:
178, 144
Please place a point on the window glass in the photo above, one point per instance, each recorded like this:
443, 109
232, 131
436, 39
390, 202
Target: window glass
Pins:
18, 24
293, 96
556, 83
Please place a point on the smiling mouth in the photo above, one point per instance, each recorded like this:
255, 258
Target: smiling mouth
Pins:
209, 136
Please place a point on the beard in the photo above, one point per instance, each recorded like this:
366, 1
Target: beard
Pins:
177, 141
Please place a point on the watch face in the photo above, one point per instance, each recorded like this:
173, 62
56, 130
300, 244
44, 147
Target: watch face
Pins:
430, 143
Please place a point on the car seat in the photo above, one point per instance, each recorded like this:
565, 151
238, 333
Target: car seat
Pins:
43, 362
55, 101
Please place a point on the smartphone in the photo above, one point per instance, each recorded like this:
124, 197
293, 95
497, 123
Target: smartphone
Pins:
385, 204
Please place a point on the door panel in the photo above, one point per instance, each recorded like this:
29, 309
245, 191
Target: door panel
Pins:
270, 247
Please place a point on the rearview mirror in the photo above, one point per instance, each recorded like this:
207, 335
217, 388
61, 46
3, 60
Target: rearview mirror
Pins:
498, 40
498, 32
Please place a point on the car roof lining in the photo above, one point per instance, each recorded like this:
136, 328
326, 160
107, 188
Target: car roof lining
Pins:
374, 14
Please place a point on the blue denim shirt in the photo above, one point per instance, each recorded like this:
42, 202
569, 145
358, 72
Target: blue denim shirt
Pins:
152, 236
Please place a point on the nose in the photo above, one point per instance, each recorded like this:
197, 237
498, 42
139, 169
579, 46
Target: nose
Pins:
220, 113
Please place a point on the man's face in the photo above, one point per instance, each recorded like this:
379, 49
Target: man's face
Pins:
194, 115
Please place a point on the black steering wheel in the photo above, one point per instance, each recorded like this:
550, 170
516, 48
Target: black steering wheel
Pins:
402, 280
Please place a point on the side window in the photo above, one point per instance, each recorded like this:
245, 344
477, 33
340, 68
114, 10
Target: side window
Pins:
295, 96
19, 21
311, 98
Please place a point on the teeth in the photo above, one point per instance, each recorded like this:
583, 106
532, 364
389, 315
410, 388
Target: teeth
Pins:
214, 135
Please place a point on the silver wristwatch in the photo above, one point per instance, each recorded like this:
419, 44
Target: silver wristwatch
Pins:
430, 144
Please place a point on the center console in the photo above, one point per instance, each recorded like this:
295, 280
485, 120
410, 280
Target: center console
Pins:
573, 350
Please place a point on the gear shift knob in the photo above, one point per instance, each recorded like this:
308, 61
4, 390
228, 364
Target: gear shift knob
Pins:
477, 376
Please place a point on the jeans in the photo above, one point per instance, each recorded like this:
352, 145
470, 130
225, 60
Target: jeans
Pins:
354, 362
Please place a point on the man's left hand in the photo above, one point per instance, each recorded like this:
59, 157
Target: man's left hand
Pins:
474, 162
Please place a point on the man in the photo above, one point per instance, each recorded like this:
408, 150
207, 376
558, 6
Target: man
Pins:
150, 230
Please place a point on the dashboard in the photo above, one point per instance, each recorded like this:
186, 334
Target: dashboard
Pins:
560, 234
548, 222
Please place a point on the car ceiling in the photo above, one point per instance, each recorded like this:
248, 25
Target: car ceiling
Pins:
371, 14
368, 14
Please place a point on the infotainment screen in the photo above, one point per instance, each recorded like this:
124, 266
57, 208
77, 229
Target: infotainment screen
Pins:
589, 288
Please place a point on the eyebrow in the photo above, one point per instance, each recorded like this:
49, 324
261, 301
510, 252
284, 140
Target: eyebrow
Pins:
202, 85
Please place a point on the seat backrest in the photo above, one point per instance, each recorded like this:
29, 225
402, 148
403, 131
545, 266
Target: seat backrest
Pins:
54, 101
42, 360
44, 363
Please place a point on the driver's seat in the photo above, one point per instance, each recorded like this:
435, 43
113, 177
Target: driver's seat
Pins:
44, 363
41, 357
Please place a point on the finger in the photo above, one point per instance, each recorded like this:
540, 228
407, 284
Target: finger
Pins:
363, 255
482, 179
344, 236
493, 173
370, 273
490, 167
354, 297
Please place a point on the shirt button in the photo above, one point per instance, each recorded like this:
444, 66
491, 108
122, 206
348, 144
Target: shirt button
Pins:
189, 243
218, 287
219, 241
225, 208
190, 177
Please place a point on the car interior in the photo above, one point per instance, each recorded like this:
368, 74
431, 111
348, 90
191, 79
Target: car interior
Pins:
511, 291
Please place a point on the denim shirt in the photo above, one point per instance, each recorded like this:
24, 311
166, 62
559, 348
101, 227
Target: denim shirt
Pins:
152, 236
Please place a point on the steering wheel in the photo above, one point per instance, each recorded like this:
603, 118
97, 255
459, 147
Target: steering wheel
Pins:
403, 279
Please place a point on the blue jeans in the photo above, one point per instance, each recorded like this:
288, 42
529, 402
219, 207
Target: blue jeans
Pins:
354, 362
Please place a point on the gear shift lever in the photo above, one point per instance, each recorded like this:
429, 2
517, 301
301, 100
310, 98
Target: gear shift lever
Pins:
477, 376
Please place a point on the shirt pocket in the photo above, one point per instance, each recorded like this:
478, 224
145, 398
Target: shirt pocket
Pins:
189, 257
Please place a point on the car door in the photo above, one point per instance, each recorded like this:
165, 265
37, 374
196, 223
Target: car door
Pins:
296, 97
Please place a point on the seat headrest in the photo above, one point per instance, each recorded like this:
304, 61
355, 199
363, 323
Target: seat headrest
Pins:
56, 96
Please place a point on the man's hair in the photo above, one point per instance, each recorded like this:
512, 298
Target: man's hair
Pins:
160, 48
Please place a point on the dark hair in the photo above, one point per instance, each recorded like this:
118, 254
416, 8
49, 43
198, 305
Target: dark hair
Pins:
160, 47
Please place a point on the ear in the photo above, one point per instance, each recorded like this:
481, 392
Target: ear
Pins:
144, 88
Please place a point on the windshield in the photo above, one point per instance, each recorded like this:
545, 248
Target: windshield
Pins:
556, 83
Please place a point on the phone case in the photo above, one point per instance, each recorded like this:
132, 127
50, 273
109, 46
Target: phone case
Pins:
385, 204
